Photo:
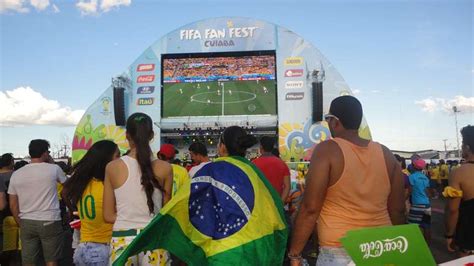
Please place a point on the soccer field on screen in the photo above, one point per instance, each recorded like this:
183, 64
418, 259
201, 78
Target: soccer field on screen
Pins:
219, 98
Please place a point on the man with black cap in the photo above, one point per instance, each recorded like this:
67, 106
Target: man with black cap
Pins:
167, 153
351, 183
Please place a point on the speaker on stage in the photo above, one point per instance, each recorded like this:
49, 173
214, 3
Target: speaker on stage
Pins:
317, 101
119, 106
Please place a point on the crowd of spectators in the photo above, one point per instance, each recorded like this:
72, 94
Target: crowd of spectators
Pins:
205, 68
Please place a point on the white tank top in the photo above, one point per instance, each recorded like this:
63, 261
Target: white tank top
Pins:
131, 202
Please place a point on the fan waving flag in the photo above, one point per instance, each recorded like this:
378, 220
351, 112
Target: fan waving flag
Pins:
227, 214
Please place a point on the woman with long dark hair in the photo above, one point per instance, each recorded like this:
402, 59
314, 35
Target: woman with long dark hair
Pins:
83, 191
235, 141
135, 189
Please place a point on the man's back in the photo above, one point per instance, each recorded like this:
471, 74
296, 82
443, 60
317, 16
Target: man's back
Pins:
443, 171
419, 183
358, 191
35, 186
434, 173
274, 170
465, 175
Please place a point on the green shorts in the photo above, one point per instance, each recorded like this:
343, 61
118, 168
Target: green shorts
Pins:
41, 235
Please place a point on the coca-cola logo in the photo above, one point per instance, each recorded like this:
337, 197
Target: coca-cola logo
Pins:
376, 248
145, 78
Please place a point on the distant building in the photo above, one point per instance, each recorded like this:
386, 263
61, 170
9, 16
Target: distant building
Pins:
429, 155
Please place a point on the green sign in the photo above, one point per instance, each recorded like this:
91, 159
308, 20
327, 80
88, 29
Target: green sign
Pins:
392, 245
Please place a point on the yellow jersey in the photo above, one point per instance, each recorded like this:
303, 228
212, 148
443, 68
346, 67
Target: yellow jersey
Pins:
93, 227
434, 172
180, 174
443, 171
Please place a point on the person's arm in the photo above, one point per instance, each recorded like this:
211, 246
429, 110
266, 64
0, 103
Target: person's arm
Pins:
3, 201
429, 192
14, 207
313, 198
61, 176
108, 206
67, 202
164, 174
452, 212
3, 196
286, 188
396, 198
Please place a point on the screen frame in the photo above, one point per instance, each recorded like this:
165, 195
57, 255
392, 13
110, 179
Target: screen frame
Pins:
217, 54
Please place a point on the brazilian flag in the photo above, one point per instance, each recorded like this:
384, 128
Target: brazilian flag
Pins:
227, 214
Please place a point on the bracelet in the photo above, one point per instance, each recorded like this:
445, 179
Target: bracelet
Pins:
295, 257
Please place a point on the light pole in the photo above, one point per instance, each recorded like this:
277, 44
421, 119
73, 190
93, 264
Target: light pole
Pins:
456, 111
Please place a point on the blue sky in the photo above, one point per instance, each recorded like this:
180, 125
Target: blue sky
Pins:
409, 62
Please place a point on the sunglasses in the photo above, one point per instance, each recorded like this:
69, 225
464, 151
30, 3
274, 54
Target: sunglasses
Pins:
329, 116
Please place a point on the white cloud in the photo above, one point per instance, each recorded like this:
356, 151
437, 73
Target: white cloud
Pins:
13, 5
92, 7
375, 91
463, 104
87, 7
56, 9
20, 6
25, 106
355, 91
39, 4
107, 5
427, 105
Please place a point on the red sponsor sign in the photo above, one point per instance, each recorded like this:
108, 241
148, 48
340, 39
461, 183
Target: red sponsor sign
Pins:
291, 73
145, 78
146, 67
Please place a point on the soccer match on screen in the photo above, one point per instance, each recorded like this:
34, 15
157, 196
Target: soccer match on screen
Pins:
225, 85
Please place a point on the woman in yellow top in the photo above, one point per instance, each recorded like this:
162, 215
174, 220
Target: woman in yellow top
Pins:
84, 192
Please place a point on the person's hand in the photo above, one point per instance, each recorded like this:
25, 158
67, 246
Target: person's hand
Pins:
449, 243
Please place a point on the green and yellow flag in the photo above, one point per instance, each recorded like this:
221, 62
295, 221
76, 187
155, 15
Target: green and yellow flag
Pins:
227, 214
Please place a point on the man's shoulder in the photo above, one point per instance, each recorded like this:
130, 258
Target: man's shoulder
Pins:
327, 149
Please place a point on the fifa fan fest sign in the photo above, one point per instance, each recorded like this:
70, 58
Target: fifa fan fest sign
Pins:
214, 73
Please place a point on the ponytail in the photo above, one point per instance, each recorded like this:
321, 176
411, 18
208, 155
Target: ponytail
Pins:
140, 130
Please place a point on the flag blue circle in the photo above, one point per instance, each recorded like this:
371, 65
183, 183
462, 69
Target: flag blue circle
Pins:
221, 201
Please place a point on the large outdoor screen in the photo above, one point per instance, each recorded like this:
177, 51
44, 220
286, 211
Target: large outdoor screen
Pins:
219, 84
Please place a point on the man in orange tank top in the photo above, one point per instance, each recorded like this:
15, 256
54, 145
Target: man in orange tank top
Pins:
351, 183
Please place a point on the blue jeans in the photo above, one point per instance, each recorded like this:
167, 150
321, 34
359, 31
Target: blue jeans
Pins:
331, 256
92, 254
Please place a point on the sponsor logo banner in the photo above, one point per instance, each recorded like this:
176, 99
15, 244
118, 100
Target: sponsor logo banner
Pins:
292, 73
294, 96
293, 61
146, 90
145, 67
145, 101
294, 84
145, 78
391, 245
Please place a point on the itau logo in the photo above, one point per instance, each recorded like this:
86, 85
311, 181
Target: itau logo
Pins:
222, 200
376, 248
